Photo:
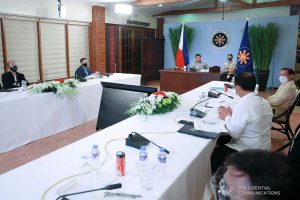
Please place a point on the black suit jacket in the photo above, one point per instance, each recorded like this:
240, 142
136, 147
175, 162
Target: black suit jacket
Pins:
8, 80
80, 73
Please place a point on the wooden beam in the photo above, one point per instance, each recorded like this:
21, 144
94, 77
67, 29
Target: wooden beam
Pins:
154, 2
231, 8
67, 48
4, 44
40, 51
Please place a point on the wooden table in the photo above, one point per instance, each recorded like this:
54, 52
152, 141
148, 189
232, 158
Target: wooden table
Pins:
180, 81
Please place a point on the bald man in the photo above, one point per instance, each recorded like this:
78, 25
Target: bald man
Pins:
12, 78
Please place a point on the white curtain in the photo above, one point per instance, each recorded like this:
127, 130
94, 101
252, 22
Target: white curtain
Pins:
22, 45
78, 45
53, 37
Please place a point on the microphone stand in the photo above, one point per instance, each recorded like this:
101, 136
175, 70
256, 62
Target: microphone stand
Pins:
109, 187
152, 142
223, 94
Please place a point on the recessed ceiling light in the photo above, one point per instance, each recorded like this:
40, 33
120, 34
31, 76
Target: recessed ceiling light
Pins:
123, 9
159, 5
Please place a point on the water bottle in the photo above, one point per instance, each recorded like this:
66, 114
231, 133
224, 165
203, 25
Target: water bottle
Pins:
143, 157
143, 153
23, 86
161, 167
95, 157
162, 156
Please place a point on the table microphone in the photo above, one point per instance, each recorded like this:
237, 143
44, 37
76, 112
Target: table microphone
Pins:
109, 187
223, 94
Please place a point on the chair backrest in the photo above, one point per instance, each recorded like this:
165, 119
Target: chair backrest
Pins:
295, 146
293, 105
215, 69
116, 99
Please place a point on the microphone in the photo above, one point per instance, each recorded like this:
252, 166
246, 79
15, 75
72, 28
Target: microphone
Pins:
223, 94
109, 187
153, 143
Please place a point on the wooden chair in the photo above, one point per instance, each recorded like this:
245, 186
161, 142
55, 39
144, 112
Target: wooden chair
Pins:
214, 69
284, 124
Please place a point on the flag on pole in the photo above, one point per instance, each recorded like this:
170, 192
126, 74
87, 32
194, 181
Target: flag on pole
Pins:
244, 58
182, 55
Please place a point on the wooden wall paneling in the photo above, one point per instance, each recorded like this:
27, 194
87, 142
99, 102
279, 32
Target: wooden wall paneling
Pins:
67, 48
4, 43
40, 51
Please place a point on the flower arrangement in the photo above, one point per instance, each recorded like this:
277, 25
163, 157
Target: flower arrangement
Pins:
156, 103
59, 87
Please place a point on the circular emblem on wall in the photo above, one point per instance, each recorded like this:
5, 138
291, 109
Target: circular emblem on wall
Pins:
220, 39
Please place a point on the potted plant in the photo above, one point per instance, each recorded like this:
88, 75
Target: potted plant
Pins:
174, 35
263, 41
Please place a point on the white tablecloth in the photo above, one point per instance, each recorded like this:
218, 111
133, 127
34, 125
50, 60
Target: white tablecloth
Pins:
25, 118
188, 164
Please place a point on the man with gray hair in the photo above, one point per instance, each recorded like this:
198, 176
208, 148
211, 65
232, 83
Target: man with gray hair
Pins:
12, 78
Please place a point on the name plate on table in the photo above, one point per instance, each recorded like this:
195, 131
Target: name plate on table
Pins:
190, 130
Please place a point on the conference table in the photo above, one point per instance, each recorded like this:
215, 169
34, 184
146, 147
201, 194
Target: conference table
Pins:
28, 117
187, 168
181, 81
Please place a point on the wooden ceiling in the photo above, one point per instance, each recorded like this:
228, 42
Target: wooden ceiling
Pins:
217, 6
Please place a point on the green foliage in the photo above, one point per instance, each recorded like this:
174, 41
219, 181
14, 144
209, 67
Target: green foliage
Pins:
174, 35
263, 41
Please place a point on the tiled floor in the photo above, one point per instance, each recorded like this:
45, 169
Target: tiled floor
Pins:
22, 155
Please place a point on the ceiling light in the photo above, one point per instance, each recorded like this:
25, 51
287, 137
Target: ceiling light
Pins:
222, 0
159, 5
123, 9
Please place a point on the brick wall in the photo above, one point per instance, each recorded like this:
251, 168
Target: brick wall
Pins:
97, 40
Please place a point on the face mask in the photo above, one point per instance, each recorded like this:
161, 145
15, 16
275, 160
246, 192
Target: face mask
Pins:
229, 58
85, 64
14, 68
283, 79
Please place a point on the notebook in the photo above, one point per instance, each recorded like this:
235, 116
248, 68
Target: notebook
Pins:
190, 130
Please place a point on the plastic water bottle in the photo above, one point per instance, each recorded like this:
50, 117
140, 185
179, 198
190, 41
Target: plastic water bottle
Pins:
95, 152
161, 167
162, 156
143, 157
95, 157
143, 153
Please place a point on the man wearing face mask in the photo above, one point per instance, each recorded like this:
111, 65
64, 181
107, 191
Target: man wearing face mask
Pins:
281, 100
12, 78
230, 67
248, 122
83, 70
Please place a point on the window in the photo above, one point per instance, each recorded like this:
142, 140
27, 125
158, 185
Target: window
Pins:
22, 46
78, 45
53, 39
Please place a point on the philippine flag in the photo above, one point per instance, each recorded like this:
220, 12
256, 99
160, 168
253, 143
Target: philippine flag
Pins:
182, 55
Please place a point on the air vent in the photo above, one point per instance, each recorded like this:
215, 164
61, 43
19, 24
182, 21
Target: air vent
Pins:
132, 22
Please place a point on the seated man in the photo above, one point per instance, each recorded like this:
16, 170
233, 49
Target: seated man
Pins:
198, 65
248, 123
230, 67
257, 174
12, 78
285, 93
83, 70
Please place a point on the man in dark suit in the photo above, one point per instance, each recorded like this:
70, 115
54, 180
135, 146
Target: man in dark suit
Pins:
11, 78
83, 70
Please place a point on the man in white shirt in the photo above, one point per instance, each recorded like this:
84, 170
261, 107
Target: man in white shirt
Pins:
248, 123
198, 65
286, 92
